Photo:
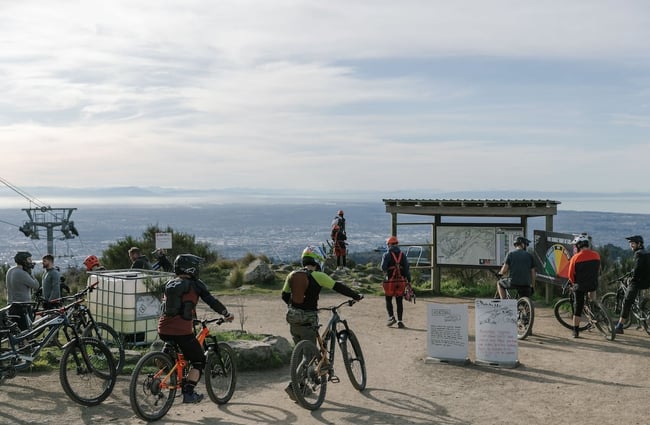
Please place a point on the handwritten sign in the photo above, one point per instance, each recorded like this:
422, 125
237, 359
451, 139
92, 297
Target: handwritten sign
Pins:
447, 331
496, 332
163, 241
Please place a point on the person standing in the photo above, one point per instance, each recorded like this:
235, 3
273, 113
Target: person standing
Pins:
20, 283
138, 260
51, 282
520, 267
339, 220
301, 291
640, 279
182, 293
340, 247
396, 266
584, 270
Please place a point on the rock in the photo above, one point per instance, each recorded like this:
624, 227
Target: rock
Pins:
258, 272
272, 351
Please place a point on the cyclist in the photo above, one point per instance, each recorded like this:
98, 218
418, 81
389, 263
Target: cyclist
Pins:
640, 278
300, 292
584, 268
20, 283
179, 308
520, 266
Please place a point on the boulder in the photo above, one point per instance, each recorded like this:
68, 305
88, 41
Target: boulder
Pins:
272, 351
258, 272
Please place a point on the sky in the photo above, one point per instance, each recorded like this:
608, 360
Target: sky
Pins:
333, 95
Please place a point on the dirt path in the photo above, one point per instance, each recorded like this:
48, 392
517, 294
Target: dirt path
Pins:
559, 381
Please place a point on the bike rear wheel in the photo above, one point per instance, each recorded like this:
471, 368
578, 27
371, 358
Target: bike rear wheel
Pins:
152, 388
644, 313
602, 320
220, 373
87, 371
525, 317
308, 385
111, 338
355, 365
563, 311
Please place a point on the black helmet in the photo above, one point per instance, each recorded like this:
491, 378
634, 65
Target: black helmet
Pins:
188, 264
635, 238
521, 241
21, 258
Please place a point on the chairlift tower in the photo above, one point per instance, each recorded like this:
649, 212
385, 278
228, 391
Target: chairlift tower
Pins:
49, 218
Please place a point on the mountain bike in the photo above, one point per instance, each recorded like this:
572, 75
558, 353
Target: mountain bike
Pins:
160, 374
593, 314
82, 319
87, 370
525, 309
312, 367
612, 302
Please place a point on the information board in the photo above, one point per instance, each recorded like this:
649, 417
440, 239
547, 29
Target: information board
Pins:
496, 332
472, 245
447, 334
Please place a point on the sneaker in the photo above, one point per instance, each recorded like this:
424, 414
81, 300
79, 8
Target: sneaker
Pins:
400, 325
289, 391
391, 321
192, 397
576, 333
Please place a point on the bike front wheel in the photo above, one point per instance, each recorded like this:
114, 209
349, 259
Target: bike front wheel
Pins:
87, 371
610, 303
355, 365
111, 338
308, 385
525, 317
153, 387
563, 311
220, 373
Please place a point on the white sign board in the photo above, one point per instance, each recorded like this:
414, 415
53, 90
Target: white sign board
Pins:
447, 332
163, 241
496, 331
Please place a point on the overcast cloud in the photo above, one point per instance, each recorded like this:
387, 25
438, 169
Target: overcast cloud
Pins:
341, 95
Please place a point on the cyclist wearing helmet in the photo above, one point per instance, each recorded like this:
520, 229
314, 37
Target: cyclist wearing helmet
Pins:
584, 268
179, 308
391, 260
520, 266
20, 283
301, 291
640, 278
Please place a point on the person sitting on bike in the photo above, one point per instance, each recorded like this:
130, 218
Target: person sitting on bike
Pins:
300, 292
640, 278
520, 265
584, 269
175, 324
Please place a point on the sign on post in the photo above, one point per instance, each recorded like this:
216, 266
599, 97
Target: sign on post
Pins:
163, 241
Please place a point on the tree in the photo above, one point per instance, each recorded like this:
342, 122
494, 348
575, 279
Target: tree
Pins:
116, 255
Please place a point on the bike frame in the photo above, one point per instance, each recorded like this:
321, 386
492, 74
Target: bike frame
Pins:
330, 336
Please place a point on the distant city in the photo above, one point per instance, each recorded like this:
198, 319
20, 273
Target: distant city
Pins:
278, 227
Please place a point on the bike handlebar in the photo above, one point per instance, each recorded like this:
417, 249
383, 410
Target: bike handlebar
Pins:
205, 322
620, 278
349, 302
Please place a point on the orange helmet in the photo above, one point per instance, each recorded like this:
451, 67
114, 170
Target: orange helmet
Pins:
90, 262
392, 240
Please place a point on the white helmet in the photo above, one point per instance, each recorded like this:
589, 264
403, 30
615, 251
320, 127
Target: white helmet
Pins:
581, 240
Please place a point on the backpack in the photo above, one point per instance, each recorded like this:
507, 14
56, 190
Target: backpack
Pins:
395, 285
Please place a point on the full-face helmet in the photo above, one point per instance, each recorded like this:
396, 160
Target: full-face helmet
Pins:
313, 256
189, 264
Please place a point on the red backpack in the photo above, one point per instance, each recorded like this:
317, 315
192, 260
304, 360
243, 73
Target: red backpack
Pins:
395, 285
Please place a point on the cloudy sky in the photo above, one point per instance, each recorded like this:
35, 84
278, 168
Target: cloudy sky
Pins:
338, 94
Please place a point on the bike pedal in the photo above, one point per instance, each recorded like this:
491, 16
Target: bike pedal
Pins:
334, 379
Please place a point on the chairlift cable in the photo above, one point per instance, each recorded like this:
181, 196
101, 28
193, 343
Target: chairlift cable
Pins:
24, 194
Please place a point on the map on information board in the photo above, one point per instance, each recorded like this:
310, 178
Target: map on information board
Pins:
475, 245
